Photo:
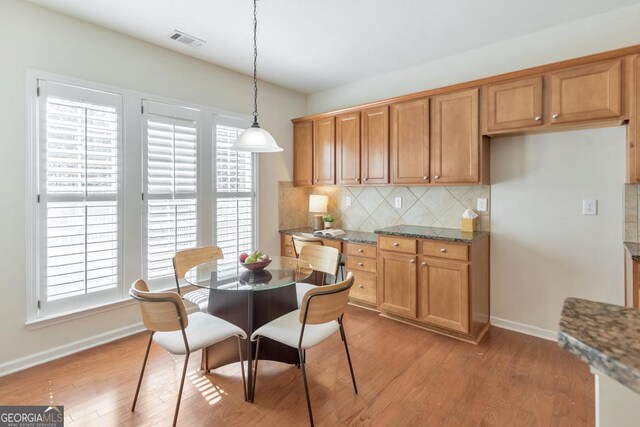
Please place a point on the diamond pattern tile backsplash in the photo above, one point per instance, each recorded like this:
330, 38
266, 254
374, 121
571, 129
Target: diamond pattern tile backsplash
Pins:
373, 207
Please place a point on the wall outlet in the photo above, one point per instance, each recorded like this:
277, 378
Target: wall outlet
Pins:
398, 202
348, 200
589, 207
482, 205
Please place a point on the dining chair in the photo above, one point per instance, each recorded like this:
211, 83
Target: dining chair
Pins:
323, 259
188, 258
321, 316
301, 241
164, 314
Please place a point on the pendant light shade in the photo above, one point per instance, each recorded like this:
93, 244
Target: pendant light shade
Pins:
255, 139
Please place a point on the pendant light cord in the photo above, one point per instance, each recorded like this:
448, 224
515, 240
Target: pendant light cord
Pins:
255, 64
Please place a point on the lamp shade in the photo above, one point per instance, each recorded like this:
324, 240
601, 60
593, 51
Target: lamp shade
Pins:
318, 204
256, 140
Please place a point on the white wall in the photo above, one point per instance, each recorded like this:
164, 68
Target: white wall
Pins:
542, 248
612, 30
40, 39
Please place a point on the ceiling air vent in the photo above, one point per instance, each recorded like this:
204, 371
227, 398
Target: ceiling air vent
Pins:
184, 38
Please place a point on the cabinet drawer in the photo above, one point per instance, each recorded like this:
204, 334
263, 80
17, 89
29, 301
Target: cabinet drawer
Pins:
333, 244
456, 251
367, 251
397, 244
286, 240
364, 287
362, 264
288, 251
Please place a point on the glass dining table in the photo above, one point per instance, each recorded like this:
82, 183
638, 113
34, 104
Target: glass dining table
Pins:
249, 300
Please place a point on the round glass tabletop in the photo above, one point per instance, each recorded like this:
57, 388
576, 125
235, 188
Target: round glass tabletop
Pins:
283, 271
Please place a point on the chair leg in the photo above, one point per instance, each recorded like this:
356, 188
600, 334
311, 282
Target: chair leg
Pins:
244, 381
255, 371
184, 374
144, 364
306, 387
346, 348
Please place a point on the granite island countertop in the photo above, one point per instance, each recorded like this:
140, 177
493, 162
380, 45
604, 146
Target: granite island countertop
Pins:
634, 250
432, 233
349, 236
606, 336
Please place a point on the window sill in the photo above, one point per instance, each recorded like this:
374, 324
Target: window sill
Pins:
57, 319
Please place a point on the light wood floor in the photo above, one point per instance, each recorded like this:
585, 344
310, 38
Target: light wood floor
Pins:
406, 377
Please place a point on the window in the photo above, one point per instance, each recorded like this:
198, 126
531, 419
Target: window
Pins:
79, 143
115, 176
235, 198
171, 157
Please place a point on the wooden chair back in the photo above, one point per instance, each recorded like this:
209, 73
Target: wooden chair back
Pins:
321, 258
188, 258
161, 311
326, 303
300, 242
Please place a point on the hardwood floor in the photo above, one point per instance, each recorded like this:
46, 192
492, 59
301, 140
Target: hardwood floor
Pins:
406, 377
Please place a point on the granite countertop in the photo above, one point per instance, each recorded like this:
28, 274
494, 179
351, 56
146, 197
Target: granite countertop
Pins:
433, 233
606, 336
634, 250
349, 236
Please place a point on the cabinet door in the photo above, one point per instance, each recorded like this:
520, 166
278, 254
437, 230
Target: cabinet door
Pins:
455, 138
375, 146
397, 286
410, 142
587, 92
348, 149
633, 132
324, 146
303, 153
443, 294
514, 105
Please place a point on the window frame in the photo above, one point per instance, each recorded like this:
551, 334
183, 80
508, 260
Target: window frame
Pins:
132, 181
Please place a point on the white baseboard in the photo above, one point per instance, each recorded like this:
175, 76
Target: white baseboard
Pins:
67, 349
524, 328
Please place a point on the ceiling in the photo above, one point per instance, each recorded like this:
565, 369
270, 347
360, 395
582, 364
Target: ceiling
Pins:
311, 46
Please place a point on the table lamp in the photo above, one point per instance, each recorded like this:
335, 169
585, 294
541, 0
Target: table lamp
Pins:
318, 204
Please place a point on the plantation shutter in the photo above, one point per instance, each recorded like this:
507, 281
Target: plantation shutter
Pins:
171, 183
80, 232
235, 199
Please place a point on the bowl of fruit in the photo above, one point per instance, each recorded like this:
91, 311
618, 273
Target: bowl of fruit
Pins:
256, 260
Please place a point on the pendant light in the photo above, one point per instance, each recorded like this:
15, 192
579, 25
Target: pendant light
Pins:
255, 139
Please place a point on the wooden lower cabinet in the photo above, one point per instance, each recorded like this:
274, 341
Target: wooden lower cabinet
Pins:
443, 293
362, 262
397, 283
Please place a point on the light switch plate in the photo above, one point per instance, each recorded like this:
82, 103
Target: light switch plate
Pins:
348, 200
589, 207
482, 205
398, 202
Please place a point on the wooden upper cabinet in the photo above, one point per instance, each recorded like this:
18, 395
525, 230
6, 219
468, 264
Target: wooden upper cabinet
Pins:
397, 283
324, 146
587, 92
348, 149
633, 133
303, 153
410, 142
443, 294
455, 137
515, 104
375, 145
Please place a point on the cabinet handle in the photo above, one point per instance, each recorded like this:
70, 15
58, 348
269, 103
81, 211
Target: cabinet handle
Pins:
366, 179
360, 250
316, 180
309, 181
537, 118
424, 178
396, 244
357, 179
443, 250
437, 177
555, 116
361, 286
412, 261
360, 264
424, 264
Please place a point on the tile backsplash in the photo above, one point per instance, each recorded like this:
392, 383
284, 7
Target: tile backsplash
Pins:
374, 207
631, 223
